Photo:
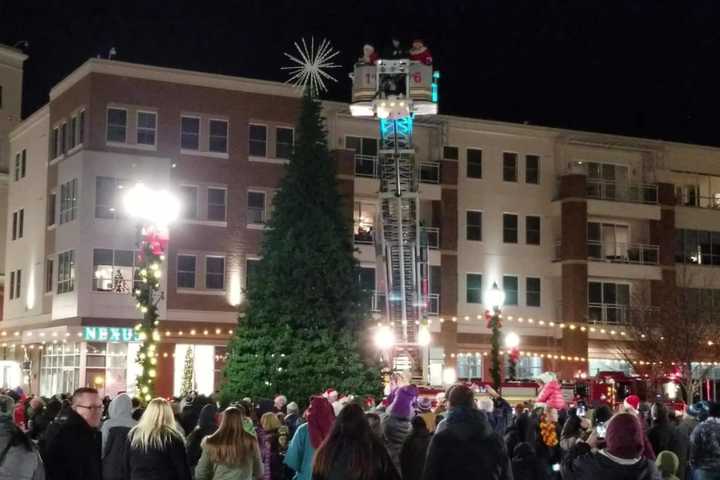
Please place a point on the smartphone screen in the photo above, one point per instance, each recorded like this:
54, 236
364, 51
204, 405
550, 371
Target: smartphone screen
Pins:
600, 430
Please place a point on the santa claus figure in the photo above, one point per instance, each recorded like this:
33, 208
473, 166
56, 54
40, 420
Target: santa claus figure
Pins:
370, 56
420, 53
550, 392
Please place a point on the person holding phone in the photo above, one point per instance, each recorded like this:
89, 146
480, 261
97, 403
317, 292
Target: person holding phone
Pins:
621, 459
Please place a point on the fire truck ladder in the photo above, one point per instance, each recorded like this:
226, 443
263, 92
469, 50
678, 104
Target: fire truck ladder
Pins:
400, 226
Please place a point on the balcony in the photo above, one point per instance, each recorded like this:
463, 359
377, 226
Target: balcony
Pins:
431, 303
366, 166
615, 252
699, 201
364, 235
430, 172
621, 191
432, 234
608, 314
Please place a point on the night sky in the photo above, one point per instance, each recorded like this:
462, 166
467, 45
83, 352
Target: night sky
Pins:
646, 68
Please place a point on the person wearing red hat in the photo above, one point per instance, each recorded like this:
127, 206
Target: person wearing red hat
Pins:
621, 459
420, 53
632, 404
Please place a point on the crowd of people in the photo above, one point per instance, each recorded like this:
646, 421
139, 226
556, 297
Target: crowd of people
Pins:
462, 433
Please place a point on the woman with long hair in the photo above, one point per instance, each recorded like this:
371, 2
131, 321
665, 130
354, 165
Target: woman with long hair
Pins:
308, 438
275, 444
352, 451
156, 447
231, 452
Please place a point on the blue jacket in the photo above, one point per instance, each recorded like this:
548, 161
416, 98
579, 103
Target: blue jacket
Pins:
300, 454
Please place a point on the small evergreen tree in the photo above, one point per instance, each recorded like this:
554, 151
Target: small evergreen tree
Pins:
188, 372
305, 327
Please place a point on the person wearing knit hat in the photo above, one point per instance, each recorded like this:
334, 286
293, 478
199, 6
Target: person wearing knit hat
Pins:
396, 424
667, 462
424, 410
632, 404
309, 436
621, 459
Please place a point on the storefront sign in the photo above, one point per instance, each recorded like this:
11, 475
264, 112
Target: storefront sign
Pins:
110, 334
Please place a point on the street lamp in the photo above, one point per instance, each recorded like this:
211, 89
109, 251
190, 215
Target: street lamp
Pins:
384, 338
155, 210
495, 298
512, 342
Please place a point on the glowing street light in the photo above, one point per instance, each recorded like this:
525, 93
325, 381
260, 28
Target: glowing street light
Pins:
156, 207
384, 338
512, 341
495, 297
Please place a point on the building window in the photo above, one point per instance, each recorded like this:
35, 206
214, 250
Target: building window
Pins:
116, 125
18, 224
258, 141
608, 302
15, 284
469, 366
532, 230
510, 165
473, 288
20, 164
189, 197
12, 285
218, 136
215, 273
63, 138
510, 228
107, 197
366, 152
48, 275
113, 270
473, 225
526, 367
284, 141
532, 169
364, 222
190, 133
66, 272
146, 128
81, 128
532, 292
54, 143
256, 208
216, 204
51, 209
697, 247
60, 368
451, 153
186, 271
474, 163
71, 134
251, 270
510, 286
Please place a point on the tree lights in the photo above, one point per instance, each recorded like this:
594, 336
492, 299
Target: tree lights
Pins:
156, 210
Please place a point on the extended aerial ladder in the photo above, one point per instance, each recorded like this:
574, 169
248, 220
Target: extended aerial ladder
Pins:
395, 92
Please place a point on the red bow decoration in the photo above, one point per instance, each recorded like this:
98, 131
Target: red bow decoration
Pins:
158, 243
489, 319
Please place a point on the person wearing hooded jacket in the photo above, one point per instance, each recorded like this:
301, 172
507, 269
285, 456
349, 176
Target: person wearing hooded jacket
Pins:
207, 425
526, 465
114, 433
622, 459
467, 446
414, 450
308, 438
19, 459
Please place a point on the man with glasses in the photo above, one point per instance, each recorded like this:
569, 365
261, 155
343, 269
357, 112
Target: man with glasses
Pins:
73, 450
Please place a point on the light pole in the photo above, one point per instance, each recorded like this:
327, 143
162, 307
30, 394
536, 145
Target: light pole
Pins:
155, 210
495, 298
512, 342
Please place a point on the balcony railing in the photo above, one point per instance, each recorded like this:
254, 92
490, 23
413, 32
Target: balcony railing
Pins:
433, 237
366, 165
433, 304
622, 192
608, 314
430, 172
699, 201
377, 302
617, 252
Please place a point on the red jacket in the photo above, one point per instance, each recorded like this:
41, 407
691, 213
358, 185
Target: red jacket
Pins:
424, 56
551, 395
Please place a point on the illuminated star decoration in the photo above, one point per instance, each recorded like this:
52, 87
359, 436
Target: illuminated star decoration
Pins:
309, 70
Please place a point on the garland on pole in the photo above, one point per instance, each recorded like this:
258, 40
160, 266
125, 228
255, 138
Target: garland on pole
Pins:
494, 323
147, 293
188, 372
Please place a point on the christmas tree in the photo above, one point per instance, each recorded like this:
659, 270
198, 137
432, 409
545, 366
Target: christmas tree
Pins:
188, 372
305, 327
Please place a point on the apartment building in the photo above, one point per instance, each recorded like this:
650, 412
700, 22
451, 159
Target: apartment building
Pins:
569, 224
